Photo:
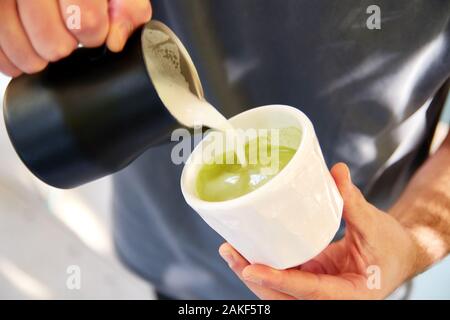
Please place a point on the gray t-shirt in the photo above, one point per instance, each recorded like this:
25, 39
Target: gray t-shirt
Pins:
372, 95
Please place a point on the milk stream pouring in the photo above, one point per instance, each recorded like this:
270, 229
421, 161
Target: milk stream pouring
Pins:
183, 98
93, 113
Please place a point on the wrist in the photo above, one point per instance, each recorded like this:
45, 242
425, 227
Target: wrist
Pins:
417, 257
419, 260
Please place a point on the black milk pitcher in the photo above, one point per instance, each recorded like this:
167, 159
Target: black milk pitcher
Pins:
88, 115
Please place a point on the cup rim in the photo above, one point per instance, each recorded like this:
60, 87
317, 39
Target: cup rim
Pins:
197, 203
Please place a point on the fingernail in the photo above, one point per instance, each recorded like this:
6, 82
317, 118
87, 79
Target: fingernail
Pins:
348, 174
125, 29
120, 34
228, 257
251, 278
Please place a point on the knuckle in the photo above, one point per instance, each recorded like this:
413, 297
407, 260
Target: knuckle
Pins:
57, 52
354, 196
277, 280
93, 28
9, 71
34, 67
23, 60
143, 11
15, 74
147, 13
92, 21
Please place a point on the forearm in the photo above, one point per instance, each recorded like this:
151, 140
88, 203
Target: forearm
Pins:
424, 208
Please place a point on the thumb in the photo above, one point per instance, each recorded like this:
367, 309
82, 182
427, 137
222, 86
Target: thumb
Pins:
125, 16
357, 211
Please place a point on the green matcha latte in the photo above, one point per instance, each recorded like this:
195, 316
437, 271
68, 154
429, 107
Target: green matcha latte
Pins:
224, 180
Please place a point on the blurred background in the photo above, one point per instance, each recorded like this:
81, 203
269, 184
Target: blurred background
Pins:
45, 231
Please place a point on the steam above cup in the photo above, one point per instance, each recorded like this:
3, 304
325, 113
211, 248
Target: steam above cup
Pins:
288, 220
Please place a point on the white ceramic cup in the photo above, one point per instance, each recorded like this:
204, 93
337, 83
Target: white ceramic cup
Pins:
288, 220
